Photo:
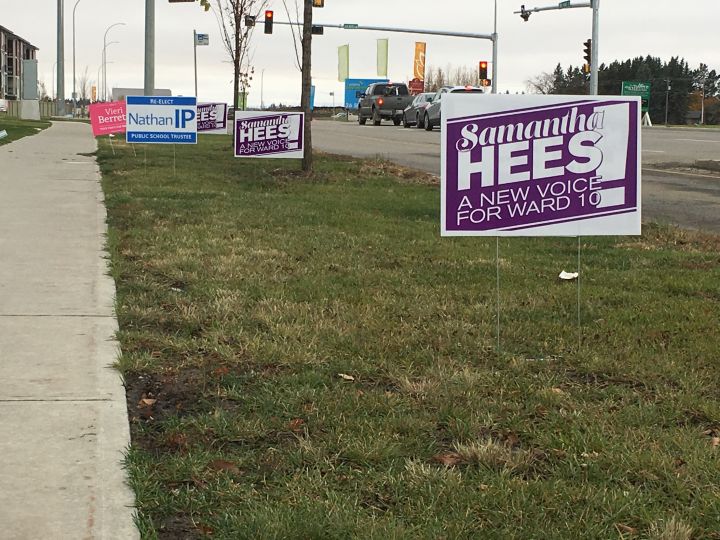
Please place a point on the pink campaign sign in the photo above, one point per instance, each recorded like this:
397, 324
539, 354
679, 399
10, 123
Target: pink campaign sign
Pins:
107, 118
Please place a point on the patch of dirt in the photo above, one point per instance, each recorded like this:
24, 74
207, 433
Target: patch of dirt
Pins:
151, 397
404, 175
179, 527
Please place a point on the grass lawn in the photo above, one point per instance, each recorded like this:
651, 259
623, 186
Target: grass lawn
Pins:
308, 359
17, 129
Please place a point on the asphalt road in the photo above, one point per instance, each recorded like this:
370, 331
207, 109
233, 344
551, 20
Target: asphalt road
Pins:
687, 199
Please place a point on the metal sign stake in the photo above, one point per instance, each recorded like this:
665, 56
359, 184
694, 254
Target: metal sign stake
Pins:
497, 281
579, 322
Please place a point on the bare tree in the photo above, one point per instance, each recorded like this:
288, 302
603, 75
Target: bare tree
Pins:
544, 83
296, 32
230, 15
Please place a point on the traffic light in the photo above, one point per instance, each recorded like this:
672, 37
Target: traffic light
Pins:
483, 70
268, 22
318, 3
588, 51
249, 20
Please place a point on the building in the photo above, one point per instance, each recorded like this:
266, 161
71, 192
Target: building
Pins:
13, 50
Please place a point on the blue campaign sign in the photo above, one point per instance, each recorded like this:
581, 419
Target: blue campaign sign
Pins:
355, 87
161, 120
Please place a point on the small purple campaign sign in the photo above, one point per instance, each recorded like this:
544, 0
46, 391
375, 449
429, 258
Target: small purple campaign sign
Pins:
261, 134
212, 118
540, 165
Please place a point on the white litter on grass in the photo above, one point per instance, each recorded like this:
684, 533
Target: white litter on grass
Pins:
568, 276
3, 134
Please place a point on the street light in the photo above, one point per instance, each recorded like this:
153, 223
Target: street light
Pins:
106, 63
74, 94
104, 47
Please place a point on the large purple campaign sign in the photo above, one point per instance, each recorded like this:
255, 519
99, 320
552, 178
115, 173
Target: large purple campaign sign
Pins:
212, 118
263, 134
540, 165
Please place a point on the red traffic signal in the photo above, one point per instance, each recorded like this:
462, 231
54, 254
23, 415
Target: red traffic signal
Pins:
483, 70
268, 22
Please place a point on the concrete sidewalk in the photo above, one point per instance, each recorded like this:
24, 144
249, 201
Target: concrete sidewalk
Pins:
63, 418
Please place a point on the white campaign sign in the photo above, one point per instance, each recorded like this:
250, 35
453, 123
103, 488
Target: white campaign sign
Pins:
161, 120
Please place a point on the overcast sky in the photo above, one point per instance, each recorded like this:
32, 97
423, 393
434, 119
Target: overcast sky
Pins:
628, 28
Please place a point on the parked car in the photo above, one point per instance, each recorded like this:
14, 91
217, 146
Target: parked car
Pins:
383, 101
431, 116
413, 113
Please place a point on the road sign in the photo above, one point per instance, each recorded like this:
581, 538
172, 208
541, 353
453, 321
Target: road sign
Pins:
161, 120
202, 39
540, 165
416, 86
565, 4
350, 26
642, 89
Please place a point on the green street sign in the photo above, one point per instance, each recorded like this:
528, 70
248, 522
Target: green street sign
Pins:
351, 26
564, 4
636, 88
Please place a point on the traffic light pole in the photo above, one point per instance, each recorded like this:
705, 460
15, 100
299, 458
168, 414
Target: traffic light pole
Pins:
595, 5
595, 43
491, 37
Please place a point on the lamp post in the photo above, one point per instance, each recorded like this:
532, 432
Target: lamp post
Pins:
53, 82
60, 110
495, 54
105, 62
74, 93
104, 52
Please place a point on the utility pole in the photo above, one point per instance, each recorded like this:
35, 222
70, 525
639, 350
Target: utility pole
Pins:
149, 48
307, 164
667, 100
60, 59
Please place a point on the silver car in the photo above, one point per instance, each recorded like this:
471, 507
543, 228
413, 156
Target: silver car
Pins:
413, 114
431, 116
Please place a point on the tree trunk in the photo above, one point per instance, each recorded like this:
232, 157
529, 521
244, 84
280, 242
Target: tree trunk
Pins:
307, 164
236, 59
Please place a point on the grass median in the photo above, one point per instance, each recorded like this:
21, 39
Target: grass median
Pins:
17, 129
307, 358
